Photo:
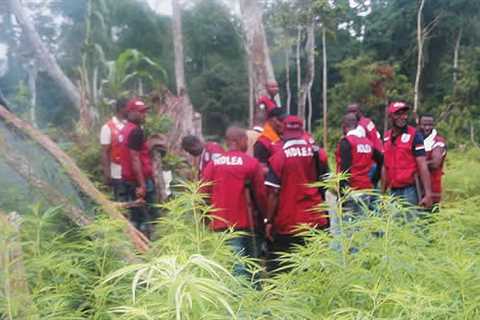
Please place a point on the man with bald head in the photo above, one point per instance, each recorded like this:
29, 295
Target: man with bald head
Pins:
230, 176
366, 125
356, 156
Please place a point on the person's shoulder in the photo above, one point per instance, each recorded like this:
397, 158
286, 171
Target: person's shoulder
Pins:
263, 140
440, 138
213, 146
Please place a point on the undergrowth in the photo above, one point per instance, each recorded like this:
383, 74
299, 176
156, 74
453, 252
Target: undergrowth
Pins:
424, 269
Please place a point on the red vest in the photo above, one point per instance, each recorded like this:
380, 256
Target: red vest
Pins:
399, 160
229, 173
116, 142
436, 174
126, 161
362, 162
295, 167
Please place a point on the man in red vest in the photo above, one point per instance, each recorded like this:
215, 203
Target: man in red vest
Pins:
205, 151
436, 149
356, 156
111, 139
367, 125
231, 175
137, 170
292, 199
405, 162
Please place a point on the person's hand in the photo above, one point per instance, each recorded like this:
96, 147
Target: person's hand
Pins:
427, 202
140, 192
269, 231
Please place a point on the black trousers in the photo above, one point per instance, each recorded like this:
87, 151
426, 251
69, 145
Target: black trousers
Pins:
281, 244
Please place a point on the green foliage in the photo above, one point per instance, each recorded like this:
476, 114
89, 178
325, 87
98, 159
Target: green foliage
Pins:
130, 67
402, 270
156, 124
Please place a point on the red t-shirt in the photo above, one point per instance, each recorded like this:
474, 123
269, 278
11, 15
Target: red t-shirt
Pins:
431, 142
291, 170
230, 173
211, 150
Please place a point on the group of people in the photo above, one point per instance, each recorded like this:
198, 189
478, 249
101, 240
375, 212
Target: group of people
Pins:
262, 183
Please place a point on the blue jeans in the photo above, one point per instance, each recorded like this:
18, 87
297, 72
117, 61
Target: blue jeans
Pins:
358, 207
408, 194
245, 246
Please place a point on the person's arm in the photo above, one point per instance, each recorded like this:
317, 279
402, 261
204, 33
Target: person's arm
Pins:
378, 158
423, 172
438, 154
273, 182
383, 179
207, 180
259, 190
106, 142
345, 161
321, 165
135, 144
260, 152
426, 181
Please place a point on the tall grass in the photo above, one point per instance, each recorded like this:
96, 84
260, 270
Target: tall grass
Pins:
421, 269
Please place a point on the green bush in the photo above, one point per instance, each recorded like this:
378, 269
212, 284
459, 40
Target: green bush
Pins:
425, 269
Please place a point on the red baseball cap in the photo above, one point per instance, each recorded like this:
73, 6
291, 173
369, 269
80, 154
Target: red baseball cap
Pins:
136, 104
293, 128
397, 106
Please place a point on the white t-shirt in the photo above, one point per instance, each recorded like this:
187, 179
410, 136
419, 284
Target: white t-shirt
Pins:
106, 139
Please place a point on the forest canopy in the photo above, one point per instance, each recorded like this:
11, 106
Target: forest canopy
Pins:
371, 47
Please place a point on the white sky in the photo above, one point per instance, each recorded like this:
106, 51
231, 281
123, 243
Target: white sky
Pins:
161, 6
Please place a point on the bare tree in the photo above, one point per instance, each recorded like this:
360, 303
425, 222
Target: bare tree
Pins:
420, 43
42, 54
306, 87
32, 72
325, 86
287, 79
260, 66
299, 68
186, 119
456, 54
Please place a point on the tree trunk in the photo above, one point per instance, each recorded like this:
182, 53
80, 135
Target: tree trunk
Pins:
251, 96
299, 69
456, 54
178, 48
287, 78
32, 87
420, 42
261, 70
161, 188
325, 86
310, 48
77, 176
187, 114
42, 55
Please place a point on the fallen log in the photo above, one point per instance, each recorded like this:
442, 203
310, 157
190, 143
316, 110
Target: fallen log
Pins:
74, 213
77, 176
